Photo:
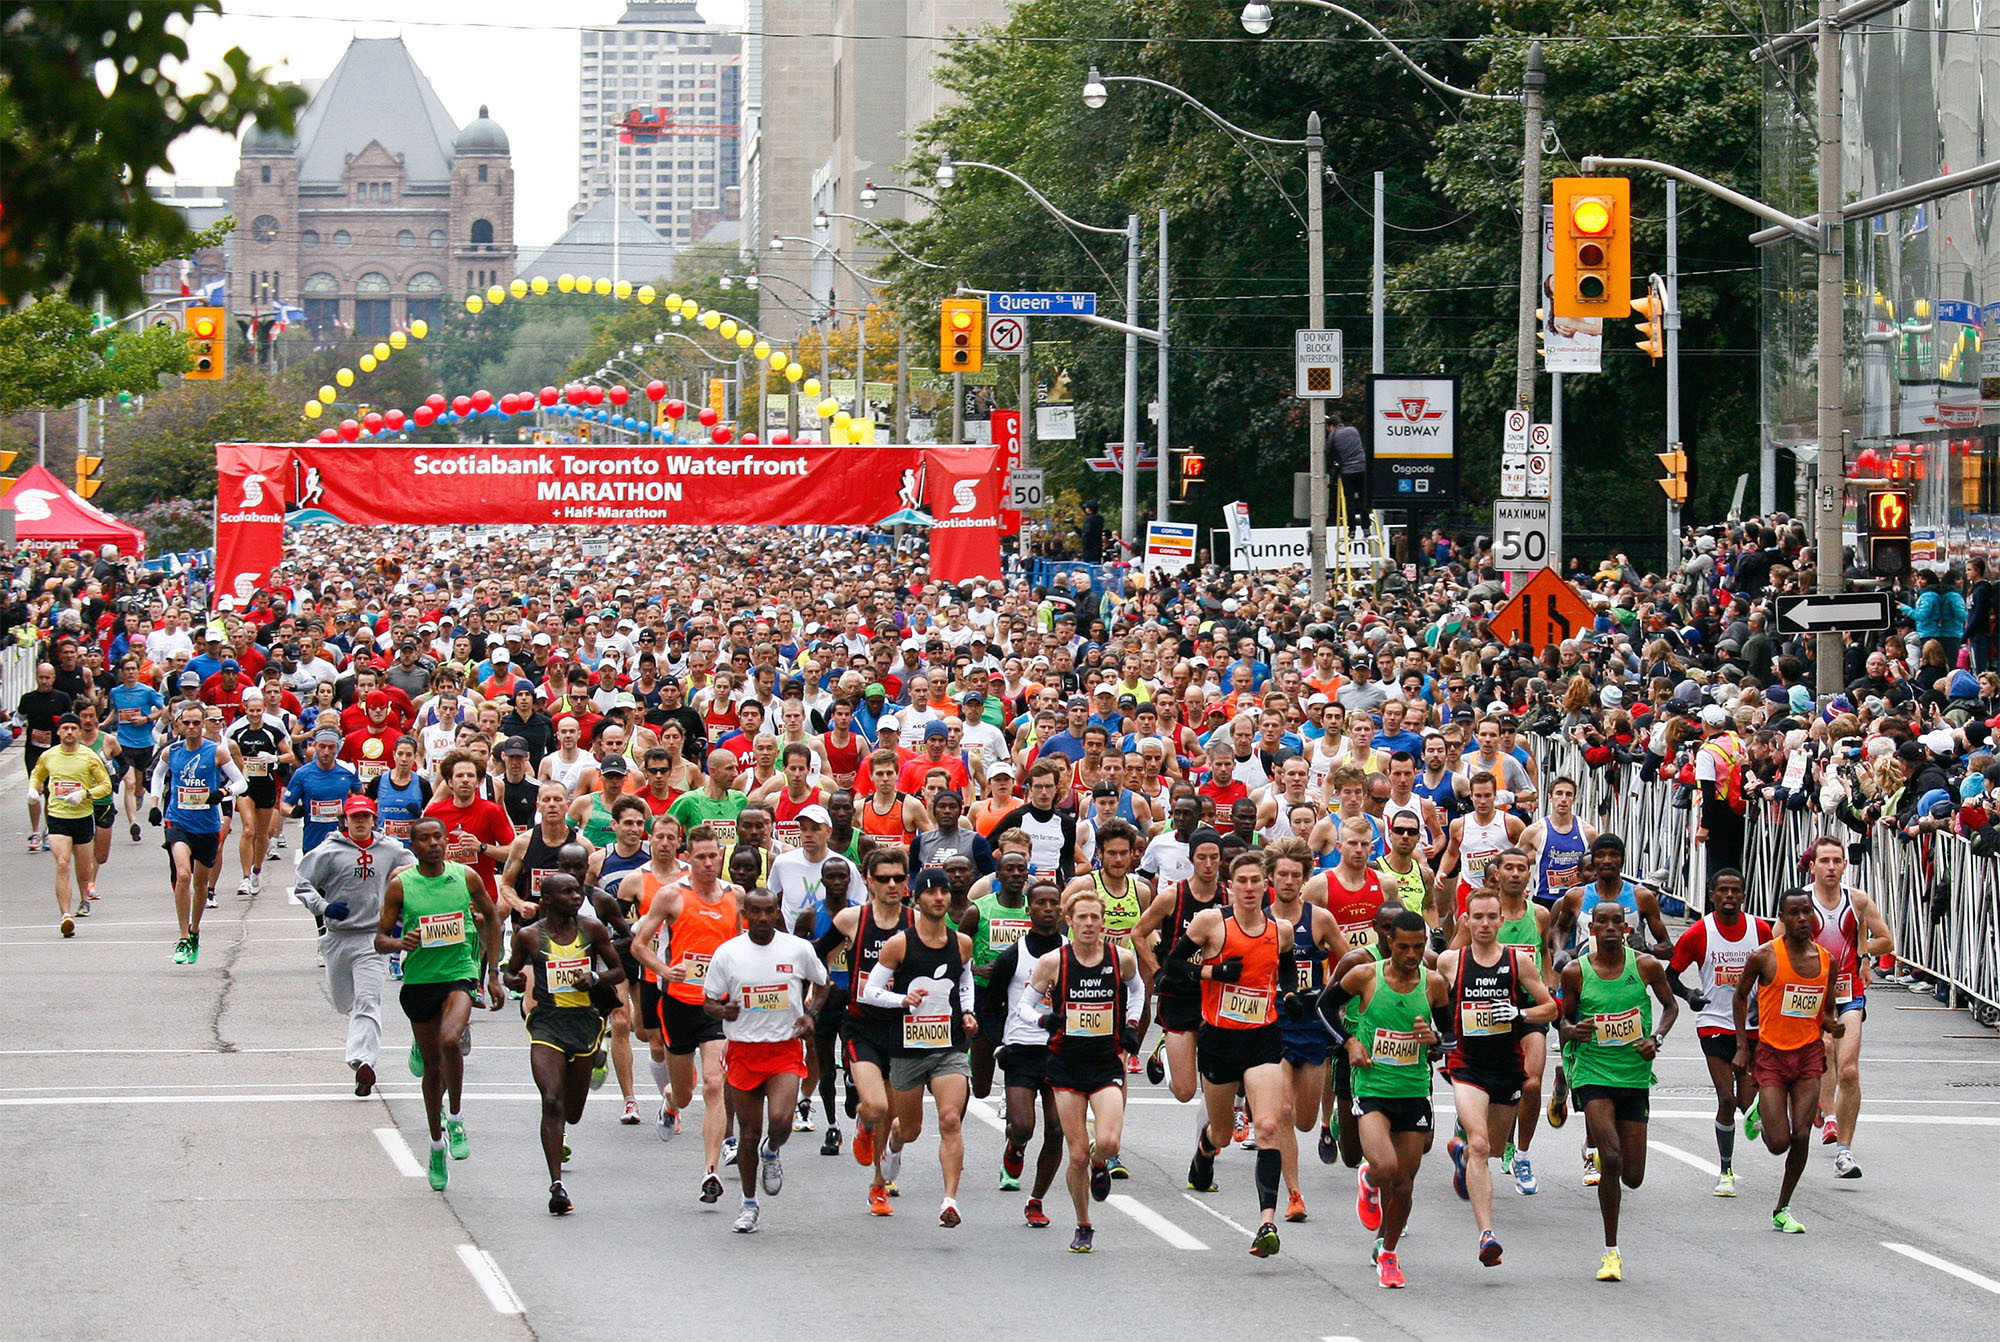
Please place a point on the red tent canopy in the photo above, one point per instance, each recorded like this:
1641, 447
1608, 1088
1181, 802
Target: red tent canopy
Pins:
48, 512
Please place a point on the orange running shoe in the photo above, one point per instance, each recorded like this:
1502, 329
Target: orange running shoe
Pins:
1295, 1209
878, 1201
864, 1146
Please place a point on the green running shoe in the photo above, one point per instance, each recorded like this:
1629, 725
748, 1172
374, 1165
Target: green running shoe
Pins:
194, 947
1782, 1220
416, 1060
1725, 1187
440, 1172
1507, 1157
1009, 1184
1753, 1121
1266, 1243
454, 1135
181, 951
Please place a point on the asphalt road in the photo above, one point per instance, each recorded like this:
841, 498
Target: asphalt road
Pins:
186, 1157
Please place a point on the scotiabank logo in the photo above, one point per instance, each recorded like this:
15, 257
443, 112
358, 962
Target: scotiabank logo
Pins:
253, 491
964, 497
259, 502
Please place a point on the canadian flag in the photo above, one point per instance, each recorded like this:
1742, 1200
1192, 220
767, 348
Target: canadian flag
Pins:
187, 289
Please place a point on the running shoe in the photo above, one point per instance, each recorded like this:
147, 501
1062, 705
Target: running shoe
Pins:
1080, 1242
630, 1116
829, 1145
1012, 1160
864, 1146
1156, 1063
804, 1121
1037, 1218
1725, 1187
454, 1135
181, 953
1784, 1222
364, 1079
1266, 1243
893, 1188
892, 1163
1117, 1167
34, 842
1295, 1206
1009, 1183
243, 888
559, 1203
711, 1188
948, 1216
465, 1040
878, 1201
746, 1220
1507, 1154
1242, 1135
68, 926
1388, 1275
194, 947
256, 881
1592, 1171
1611, 1267
1375, 1254
1524, 1177
1456, 1150
1753, 1118
1844, 1165
416, 1060
1489, 1248
440, 1171
1367, 1200
567, 1153
209, 901
135, 831
83, 905
1201, 1169
1329, 1145
729, 1150
1100, 1181
598, 1073
1559, 1099
1829, 1131
770, 1171
396, 966
667, 1122
1131, 1069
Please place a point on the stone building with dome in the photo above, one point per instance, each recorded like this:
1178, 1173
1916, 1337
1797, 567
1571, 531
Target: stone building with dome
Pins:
380, 209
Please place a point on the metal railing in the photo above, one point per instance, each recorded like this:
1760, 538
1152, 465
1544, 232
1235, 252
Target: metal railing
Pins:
17, 674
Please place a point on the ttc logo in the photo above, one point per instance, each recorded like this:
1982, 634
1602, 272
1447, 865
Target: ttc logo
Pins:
1412, 409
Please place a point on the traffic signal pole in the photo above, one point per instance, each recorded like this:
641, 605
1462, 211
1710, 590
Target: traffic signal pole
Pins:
1830, 495
1128, 496
1671, 319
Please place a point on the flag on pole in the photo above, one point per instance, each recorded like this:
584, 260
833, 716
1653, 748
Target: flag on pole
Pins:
186, 290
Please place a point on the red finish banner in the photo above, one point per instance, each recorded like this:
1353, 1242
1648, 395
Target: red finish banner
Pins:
260, 486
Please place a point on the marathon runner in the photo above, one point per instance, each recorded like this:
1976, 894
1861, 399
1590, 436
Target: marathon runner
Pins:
1023, 1055
137, 709
342, 882
73, 781
996, 921
1556, 844
1851, 929
259, 747
1317, 942
191, 779
1720, 944
1161, 928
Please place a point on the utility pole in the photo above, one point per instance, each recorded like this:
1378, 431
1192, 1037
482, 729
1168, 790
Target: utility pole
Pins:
1128, 500
902, 414
1831, 493
1671, 320
1532, 80
1316, 320
1025, 397
1161, 471
1378, 288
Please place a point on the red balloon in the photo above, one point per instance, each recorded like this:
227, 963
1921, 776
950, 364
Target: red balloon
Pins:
594, 395
349, 430
424, 415
435, 401
721, 433
482, 401
779, 437
749, 440
372, 422
508, 405
550, 395
573, 394
708, 416
394, 419
329, 435
655, 390
461, 405
620, 394
676, 409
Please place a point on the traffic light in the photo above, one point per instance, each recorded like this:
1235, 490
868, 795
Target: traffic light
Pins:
208, 341
1889, 533
961, 335
1194, 473
1593, 246
1675, 483
87, 482
6, 468
1651, 310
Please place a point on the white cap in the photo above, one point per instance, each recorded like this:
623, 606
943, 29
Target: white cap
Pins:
816, 814
1939, 742
1715, 715
889, 723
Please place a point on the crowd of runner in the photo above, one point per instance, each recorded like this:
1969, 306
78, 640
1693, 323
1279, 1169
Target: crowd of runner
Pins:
772, 817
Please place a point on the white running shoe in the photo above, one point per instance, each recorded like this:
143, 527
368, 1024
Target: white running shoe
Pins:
770, 1172
746, 1220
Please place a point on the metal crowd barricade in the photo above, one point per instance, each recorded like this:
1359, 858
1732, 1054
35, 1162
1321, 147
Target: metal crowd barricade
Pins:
1659, 837
17, 674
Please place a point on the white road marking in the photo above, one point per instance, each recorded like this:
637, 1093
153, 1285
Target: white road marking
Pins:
400, 1154
1684, 1157
983, 1111
1233, 1225
40, 1101
491, 1280
157, 942
1965, 1274
1153, 1221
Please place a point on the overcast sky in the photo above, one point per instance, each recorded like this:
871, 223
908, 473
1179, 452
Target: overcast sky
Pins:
519, 57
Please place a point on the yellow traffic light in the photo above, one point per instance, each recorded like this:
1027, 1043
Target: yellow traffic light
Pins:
87, 483
1674, 484
208, 343
1651, 310
961, 335
1593, 246
7, 460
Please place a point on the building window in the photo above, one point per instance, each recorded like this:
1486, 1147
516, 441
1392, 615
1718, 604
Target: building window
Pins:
372, 304
341, 238
482, 172
482, 232
266, 170
405, 238
309, 238
264, 228
437, 238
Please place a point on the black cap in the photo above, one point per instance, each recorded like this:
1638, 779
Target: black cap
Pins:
515, 745
614, 764
930, 878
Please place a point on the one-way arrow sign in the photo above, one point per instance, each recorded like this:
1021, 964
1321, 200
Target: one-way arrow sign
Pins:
1833, 613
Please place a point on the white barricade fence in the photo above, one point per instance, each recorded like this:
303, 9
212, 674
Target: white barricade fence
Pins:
17, 674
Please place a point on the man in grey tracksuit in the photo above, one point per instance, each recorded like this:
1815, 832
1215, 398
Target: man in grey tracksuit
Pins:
342, 881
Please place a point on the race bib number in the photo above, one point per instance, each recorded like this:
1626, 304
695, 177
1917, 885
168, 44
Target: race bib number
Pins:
1476, 1018
1004, 932
257, 766
1475, 870
132, 717
397, 829
725, 831
1616, 1029
66, 789
927, 1028
564, 974
1561, 878
372, 769
1359, 937
441, 929
1245, 1006
1302, 973
837, 962
1801, 1001
1729, 973
1843, 990
1088, 1021
40, 736
697, 968
1397, 1048
324, 811
192, 798
535, 881
767, 997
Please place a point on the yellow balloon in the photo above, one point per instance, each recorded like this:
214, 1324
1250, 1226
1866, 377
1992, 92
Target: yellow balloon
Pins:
778, 360
381, 351
496, 295
811, 388
841, 419
711, 319
517, 288
313, 409
690, 309
398, 340
827, 408
345, 377
673, 302
474, 303
583, 284
761, 350
565, 283
367, 363
745, 339
539, 285
603, 286
647, 293
419, 329
327, 395
623, 288
794, 371
728, 329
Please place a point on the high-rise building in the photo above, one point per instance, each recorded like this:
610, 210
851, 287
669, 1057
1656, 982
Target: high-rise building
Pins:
674, 83
378, 208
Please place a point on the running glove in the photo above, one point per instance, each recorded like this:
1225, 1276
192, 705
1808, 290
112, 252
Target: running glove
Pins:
335, 912
153, 817
1227, 970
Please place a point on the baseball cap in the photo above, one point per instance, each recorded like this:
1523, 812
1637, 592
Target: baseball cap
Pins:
515, 745
874, 690
971, 695
614, 764
1128, 701
543, 640
816, 814
1940, 742
1715, 715
994, 771
231, 664
358, 804
190, 678
889, 723
936, 729
930, 878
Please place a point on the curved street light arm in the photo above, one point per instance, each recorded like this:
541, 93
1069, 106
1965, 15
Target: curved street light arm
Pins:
1440, 85
887, 237
1040, 199
870, 280
1203, 108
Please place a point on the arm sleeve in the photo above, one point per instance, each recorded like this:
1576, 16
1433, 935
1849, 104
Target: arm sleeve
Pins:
1135, 996
828, 944
1031, 1006
967, 987
233, 781
991, 996
876, 992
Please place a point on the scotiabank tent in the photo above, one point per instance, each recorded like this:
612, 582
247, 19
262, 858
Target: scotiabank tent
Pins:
49, 512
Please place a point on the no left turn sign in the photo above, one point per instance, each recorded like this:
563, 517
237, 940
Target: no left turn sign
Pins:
1006, 335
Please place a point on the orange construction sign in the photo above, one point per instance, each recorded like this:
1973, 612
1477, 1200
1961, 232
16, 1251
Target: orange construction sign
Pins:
1546, 611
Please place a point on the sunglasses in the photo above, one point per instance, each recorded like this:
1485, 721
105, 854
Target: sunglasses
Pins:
1404, 829
891, 877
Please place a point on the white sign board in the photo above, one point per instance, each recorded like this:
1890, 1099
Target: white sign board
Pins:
1006, 335
1056, 423
1024, 489
1514, 475
1541, 471
1521, 535
1515, 438
1317, 358
595, 549
1171, 545
1569, 344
